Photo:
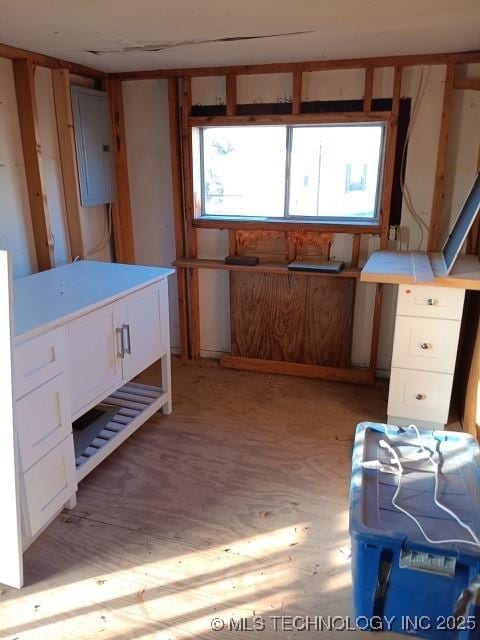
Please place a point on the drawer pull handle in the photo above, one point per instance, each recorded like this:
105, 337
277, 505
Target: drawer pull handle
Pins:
432, 302
127, 345
121, 350
420, 396
425, 346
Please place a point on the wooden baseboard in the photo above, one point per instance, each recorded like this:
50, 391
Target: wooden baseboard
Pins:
335, 374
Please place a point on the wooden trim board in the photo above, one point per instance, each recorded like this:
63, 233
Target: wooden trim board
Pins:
335, 374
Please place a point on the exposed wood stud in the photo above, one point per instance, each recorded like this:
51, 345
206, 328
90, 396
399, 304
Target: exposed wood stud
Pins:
355, 250
179, 222
289, 118
68, 159
231, 94
391, 145
439, 185
232, 242
377, 315
337, 374
368, 93
32, 155
291, 244
193, 278
464, 57
297, 93
121, 208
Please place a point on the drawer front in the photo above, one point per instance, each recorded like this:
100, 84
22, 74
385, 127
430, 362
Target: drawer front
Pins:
425, 344
43, 420
430, 302
39, 360
48, 485
419, 395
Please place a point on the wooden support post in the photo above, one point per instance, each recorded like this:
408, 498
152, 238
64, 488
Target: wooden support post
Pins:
368, 93
297, 93
121, 208
231, 94
439, 186
232, 242
177, 193
355, 250
68, 159
32, 152
193, 277
377, 316
391, 145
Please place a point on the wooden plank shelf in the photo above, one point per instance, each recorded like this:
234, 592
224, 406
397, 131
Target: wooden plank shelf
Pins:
136, 403
263, 267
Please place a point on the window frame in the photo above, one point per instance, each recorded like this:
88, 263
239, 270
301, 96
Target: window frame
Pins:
325, 223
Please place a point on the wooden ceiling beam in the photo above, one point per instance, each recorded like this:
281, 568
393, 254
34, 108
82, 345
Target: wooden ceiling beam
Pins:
464, 57
14, 53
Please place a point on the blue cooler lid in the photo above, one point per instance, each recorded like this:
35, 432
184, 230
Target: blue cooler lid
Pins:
374, 518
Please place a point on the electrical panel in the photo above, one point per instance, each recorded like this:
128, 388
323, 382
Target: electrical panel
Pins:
93, 143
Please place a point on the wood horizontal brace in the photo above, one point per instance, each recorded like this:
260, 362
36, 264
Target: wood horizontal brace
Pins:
263, 267
290, 118
464, 57
14, 53
286, 224
471, 84
335, 374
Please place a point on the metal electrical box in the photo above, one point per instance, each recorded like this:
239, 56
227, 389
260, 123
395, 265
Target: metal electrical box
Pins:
93, 142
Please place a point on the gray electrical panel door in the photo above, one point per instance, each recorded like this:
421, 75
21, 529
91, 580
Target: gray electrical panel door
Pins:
93, 142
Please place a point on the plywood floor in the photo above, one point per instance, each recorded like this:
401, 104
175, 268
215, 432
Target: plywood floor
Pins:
233, 506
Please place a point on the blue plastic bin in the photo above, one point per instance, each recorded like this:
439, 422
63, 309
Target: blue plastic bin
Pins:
401, 581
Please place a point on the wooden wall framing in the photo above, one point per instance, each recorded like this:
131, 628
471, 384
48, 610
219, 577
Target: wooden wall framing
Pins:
191, 263
186, 225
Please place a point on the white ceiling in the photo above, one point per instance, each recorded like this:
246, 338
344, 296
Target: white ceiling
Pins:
183, 30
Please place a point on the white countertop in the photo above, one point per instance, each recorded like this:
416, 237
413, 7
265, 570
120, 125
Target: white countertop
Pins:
49, 298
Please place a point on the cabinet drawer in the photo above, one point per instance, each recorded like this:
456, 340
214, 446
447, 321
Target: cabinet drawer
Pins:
43, 420
39, 360
419, 395
430, 302
48, 485
425, 344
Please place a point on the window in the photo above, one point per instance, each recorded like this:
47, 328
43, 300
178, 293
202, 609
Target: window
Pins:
328, 172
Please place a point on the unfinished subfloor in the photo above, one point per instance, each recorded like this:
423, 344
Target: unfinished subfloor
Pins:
233, 506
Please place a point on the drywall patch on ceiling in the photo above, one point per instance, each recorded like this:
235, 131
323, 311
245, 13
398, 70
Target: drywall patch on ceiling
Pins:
166, 46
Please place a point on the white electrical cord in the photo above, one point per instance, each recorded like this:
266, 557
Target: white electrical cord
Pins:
419, 95
108, 233
425, 454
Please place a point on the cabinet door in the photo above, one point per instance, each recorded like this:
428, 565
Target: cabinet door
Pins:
95, 360
144, 330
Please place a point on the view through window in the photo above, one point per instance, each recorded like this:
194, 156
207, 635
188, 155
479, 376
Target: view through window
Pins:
328, 171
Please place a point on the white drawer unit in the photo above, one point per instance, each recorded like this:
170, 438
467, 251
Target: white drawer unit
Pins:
425, 344
48, 485
43, 418
80, 333
419, 395
427, 330
38, 360
430, 302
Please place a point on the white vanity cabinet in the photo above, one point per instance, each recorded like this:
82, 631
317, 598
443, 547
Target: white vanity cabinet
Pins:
82, 332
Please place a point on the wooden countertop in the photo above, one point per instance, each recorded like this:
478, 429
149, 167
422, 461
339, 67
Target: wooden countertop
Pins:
396, 267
